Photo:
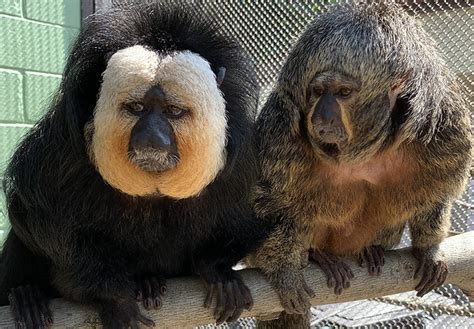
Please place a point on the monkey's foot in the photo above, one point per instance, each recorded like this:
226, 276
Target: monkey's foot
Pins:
231, 294
30, 308
373, 258
151, 291
337, 272
432, 269
122, 314
293, 290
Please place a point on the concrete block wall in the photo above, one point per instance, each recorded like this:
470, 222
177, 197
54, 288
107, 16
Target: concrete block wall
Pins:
35, 36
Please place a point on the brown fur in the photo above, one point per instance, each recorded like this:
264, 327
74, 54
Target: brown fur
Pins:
405, 161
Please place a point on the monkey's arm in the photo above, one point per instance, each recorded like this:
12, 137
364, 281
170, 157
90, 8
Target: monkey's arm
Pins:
427, 230
282, 258
233, 238
89, 270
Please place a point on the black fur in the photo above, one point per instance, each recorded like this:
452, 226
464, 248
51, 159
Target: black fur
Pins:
87, 238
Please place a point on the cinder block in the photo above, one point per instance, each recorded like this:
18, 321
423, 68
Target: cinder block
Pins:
34, 46
11, 7
65, 12
39, 91
10, 135
11, 96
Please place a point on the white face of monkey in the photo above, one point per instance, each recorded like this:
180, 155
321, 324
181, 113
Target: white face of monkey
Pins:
159, 124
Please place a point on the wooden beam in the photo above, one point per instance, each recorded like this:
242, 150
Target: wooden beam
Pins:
182, 307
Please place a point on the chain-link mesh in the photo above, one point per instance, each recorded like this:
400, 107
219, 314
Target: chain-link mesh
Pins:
268, 29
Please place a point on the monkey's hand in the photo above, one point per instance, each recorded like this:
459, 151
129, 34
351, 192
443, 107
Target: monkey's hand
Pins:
30, 308
294, 292
230, 292
150, 291
432, 269
337, 272
373, 258
122, 314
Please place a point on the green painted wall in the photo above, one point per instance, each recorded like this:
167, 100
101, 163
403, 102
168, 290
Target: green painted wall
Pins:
35, 36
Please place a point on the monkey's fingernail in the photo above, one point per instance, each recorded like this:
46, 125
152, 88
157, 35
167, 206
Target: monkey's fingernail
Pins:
157, 303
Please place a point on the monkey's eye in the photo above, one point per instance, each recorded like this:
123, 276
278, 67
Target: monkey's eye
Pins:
318, 91
135, 107
174, 112
344, 92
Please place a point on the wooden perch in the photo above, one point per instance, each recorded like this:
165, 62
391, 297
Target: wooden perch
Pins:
182, 307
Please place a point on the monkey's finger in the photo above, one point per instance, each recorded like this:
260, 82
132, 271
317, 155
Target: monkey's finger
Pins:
210, 293
419, 268
34, 307
381, 254
139, 296
439, 274
20, 325
443, 274
338, 280
287, 304
220, 305
44, 307
247, 295
147, 294
425, 281
146, 321
430, 285
297, 306
345, 277
163, 287
370, 260
308, 290
237, 313
16, 309
25, 308
157, 303
348, 271
324, 264
230, 305
303, 300
325, 267
240, 302
156, 289
377, 261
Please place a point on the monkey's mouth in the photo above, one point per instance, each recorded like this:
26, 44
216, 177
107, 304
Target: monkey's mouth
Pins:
154, 161
331, 149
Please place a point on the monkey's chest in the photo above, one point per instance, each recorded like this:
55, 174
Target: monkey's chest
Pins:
355, 203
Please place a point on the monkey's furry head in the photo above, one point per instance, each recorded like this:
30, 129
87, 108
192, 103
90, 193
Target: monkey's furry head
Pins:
140, 86
379, 48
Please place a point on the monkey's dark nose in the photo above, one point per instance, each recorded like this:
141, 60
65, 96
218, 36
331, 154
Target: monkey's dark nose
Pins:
149, 139
154, 133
